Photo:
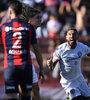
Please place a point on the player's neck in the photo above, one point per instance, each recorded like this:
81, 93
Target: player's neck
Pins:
12, 16
72, 46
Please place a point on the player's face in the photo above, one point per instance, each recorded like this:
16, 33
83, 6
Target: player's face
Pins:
36, 20
71, 38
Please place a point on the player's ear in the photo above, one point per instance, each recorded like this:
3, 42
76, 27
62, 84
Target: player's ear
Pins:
10, 11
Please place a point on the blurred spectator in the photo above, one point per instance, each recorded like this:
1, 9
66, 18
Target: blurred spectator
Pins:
3, 9
2, 14
42, 31
3, 5
87, 5
66, 11
88, 24
57, 43
80, 11
51, 6
53, 26
65, 5
29, 2
5, 17
39, 4
51, 46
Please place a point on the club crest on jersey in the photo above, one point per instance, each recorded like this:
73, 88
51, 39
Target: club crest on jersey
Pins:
7, 29
79, 54
72, 91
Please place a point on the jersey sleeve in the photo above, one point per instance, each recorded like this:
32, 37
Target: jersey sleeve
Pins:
34, 39
85, 49
56, 54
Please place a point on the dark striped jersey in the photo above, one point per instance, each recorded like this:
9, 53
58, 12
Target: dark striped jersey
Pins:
17, 37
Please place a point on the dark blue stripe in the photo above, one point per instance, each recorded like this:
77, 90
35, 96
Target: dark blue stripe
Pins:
9, 44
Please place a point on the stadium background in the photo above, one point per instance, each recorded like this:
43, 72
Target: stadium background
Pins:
58, 19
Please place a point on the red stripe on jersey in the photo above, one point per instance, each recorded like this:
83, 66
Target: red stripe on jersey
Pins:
30, 37
17, 35
5, 49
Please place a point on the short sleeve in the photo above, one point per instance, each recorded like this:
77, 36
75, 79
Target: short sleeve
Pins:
85, 49
56, 54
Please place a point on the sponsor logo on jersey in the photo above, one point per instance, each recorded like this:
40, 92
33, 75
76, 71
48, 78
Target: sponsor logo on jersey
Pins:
71, 58
7, 29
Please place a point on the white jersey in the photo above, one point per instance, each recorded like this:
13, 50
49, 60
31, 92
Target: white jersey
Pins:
70, 61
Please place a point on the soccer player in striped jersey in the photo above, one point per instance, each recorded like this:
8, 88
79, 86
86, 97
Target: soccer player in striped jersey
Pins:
33, 16
69, 55
17, 37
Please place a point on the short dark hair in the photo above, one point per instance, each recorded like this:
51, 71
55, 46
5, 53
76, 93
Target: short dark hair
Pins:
16, 6
72, 28
28, 12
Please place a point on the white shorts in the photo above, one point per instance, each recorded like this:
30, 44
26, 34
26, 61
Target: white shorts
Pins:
35, 78
78, 87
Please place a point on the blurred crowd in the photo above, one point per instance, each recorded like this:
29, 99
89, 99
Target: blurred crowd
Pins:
57, 17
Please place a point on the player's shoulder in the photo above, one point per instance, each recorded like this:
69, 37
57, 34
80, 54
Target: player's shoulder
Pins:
80, 44
83, 46
62, 46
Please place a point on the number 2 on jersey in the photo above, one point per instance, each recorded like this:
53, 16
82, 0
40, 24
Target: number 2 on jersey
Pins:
16, 45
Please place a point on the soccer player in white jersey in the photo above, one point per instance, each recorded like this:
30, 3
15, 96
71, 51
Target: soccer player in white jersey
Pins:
69, 55
32, 16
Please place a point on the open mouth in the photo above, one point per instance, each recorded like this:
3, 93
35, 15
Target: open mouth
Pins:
72, 41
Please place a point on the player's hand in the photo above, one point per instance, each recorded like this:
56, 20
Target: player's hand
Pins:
50, 64
41, 75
